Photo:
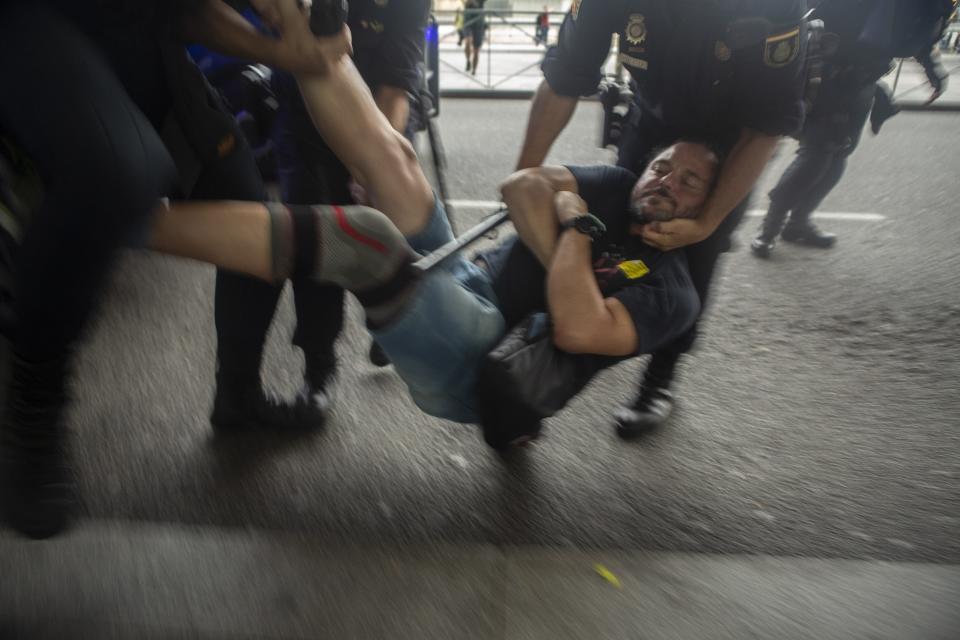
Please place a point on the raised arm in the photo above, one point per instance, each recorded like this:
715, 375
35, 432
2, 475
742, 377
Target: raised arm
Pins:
549, 114
530, 197
216, 25
571, 69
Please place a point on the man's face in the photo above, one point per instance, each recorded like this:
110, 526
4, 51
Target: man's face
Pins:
675, 184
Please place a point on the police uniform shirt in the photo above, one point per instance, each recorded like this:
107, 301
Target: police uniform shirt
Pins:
870, 33
131, 34
388, 39
705, 67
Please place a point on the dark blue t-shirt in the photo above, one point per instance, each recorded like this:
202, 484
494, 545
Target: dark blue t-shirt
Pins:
654, 286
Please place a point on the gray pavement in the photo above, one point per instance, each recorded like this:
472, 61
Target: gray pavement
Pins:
134, 581
809, 483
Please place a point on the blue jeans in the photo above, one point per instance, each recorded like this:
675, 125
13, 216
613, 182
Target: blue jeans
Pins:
441, 337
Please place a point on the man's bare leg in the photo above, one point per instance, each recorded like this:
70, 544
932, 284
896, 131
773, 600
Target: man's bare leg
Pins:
356, 247
231, 235
381, 160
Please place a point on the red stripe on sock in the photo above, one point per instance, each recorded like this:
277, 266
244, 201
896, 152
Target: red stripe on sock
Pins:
376, 245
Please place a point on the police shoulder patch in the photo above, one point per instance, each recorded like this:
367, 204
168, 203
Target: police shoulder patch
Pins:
781, 49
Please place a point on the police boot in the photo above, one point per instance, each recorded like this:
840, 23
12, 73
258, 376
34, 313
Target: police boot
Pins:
241, 405
321, 370
807, 235
38, 497
883, 108
764, 242
766, 238
651, 409
378, 357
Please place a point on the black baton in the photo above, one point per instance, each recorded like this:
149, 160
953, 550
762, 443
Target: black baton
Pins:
431, 260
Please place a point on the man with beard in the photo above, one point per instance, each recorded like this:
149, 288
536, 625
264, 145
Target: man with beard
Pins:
580, 258
727, 71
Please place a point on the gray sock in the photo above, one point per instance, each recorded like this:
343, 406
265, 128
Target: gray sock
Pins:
355, 247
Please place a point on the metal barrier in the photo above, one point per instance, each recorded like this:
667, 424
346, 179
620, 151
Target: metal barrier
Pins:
506, 32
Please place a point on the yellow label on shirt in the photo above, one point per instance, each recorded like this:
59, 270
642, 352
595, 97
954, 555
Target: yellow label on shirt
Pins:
634, 269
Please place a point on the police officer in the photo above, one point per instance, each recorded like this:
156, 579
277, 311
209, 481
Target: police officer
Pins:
726, 71
868, 34
388, 39
97, 82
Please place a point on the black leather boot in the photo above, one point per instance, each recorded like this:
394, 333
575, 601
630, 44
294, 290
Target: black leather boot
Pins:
883, 109
653, 405
241, 405
766, 238
317, 382
38, 494
806, 234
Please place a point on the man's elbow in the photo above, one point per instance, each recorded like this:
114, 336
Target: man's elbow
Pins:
519, 183
523, 189
572, 339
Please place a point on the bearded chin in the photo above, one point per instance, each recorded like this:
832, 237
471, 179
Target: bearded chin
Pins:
640, 214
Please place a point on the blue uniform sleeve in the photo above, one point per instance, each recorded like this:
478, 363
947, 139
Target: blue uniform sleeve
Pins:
771, 79
573, 66
402, 51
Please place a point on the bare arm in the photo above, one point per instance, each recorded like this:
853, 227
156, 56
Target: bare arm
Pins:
740, 172
529, 196
218, 26
549, 115
395, 104
583, 320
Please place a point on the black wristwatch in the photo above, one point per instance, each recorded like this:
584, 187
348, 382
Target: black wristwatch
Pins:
588, 225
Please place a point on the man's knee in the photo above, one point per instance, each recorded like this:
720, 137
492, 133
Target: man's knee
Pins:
397, 161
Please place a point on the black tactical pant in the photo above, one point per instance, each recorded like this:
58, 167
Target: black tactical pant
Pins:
102, 164
638, 142
309, 173
831, 133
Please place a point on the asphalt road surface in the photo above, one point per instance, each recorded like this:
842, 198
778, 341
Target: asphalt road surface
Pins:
818, 417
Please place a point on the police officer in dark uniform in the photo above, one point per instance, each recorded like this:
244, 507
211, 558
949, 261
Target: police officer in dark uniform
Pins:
98, 82
388, 39
726, 71
867, 34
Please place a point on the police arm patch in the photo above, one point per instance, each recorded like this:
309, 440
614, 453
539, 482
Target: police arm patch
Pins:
781, 49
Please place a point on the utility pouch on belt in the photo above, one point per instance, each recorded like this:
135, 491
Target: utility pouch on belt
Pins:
526, 372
